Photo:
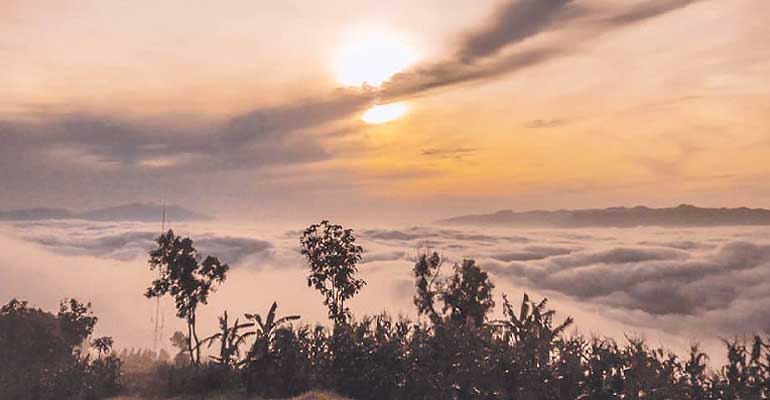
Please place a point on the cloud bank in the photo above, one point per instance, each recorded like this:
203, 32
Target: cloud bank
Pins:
696, 283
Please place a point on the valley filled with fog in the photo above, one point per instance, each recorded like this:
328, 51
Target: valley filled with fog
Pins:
673, 286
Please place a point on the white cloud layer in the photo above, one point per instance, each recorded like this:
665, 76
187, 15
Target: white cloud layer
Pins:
670, 284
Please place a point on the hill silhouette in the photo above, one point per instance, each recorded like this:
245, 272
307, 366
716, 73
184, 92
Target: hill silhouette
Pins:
144, 212
683, 215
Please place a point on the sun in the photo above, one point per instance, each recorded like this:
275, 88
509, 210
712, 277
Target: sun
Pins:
372, 58
385, 113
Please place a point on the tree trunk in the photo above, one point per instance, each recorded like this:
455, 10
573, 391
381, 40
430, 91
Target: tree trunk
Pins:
189, 341
197, 342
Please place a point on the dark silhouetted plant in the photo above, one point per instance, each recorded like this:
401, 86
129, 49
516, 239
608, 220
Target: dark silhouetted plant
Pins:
260, 361
468, 294
333, 255
102, 345
426, 272
188, 281
42, 355
230, 340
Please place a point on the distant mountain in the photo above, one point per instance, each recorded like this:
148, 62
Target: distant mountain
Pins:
145, 212
36, 213
141, 212
683, 215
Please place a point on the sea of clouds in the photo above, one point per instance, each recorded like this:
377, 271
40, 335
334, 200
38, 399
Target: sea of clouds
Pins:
672, 286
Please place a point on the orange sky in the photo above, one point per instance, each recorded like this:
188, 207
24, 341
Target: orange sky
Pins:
239, 105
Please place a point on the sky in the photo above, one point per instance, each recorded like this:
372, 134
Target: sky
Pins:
397, 110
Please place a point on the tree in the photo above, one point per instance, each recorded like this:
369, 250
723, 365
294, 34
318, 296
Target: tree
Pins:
77, 321
181, 342
332, 255
42, 355
426, 271
102, 345
188, 281
468, 294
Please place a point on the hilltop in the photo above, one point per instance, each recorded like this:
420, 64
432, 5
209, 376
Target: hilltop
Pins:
145, 212
683, 215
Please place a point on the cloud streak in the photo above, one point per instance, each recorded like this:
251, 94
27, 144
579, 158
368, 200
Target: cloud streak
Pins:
497, 48
511, 23
265, 136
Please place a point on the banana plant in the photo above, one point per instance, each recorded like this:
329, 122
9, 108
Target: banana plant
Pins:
533, 321
265, 331
230, 340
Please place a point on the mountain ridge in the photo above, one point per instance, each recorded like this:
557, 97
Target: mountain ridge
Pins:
682, 215
143, 212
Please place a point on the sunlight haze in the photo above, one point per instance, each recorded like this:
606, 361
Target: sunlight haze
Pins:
653, 109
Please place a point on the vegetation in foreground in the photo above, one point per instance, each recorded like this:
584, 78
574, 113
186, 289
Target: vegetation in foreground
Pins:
453, 351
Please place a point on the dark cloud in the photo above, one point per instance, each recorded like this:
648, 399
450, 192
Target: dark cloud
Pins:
447, 73
278, 135
63, 159
643, 11
384, 256
511, 23
422, 233
497, 47
234, 250
457, 153
545, 123
395, 235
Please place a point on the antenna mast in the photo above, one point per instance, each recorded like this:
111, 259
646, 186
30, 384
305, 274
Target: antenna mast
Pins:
158, 332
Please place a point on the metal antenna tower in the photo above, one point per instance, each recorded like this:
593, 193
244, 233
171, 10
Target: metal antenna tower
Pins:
158, 332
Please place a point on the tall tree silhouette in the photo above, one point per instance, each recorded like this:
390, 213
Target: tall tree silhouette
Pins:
332, 255
468, 294
426, 272
188, 281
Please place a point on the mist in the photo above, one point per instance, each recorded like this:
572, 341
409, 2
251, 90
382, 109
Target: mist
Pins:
673, 286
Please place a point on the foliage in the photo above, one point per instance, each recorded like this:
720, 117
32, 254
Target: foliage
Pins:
230, 341
43, 358
333, 255
426, 272
466, 294
267, 352
188, 281
458, 354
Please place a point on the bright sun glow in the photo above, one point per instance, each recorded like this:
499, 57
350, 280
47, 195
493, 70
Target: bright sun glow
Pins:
372, 59
384, 113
